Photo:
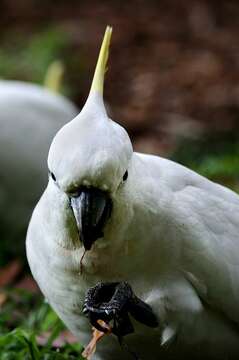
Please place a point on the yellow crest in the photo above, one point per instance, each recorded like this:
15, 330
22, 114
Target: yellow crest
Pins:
101, 66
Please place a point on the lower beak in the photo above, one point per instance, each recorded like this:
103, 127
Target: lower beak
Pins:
91, 208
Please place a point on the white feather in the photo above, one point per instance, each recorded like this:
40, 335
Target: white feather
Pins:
30, 117
173, 235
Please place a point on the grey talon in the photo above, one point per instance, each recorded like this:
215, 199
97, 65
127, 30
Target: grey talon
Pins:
115, 301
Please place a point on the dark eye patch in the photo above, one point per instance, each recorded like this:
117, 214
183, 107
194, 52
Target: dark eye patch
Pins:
125, 175
52, 176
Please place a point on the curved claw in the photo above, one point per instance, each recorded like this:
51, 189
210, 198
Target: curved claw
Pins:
85, 310
98, 302
101, 293
113, 301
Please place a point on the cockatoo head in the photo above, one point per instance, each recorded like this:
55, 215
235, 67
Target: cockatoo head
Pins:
89, 158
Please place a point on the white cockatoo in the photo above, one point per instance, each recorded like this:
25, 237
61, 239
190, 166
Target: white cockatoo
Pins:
30, 116
147, 227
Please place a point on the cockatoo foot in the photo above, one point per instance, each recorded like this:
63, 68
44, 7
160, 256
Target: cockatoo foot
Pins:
114, 301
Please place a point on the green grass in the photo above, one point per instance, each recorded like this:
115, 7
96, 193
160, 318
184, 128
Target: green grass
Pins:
21, 344
29, 317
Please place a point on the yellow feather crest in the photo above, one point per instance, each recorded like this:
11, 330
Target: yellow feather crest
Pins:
101, 66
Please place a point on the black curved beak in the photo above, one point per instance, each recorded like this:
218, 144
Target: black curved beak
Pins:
92, 208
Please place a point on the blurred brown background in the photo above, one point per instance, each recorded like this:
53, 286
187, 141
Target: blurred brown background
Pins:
173, 72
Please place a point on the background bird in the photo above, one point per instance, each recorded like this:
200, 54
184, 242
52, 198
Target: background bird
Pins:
169, 232
30, 115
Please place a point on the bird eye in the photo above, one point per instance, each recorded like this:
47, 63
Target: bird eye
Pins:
125, 175
52, 175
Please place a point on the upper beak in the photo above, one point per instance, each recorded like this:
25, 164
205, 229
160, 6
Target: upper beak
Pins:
92, 208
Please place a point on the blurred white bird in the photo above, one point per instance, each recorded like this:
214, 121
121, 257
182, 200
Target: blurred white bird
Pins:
30, 116
168, 232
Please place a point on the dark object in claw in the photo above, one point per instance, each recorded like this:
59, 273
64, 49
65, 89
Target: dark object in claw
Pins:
115, 301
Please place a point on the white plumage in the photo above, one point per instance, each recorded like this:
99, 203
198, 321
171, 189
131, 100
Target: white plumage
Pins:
172, 235
30, 116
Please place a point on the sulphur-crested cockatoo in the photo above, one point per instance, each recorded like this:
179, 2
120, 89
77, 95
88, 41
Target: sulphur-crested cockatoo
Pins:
30, 116
151, 228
